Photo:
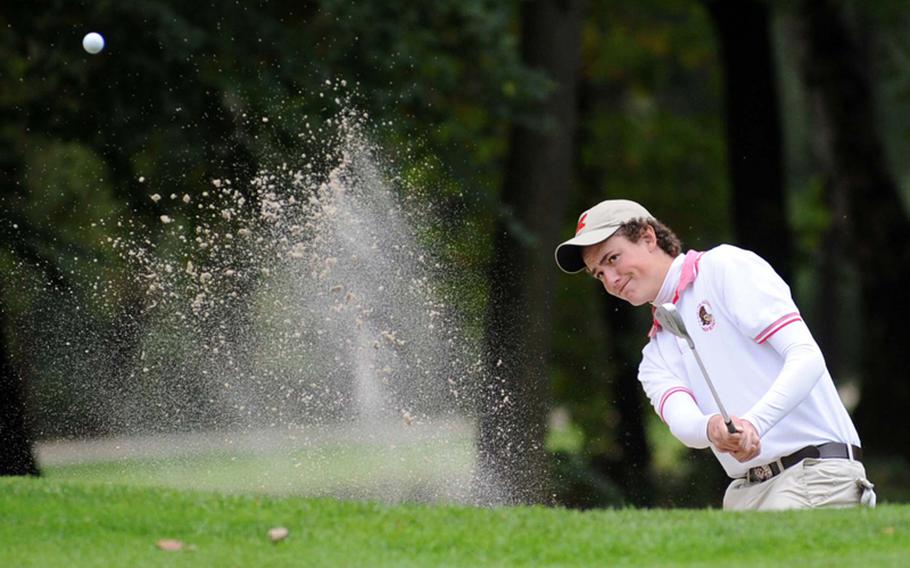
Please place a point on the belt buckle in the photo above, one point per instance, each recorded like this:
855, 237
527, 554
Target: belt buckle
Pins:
761, 473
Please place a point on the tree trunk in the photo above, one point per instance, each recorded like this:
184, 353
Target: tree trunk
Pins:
15, 447
538, 177
633, 466
836, 69
833, 279
754, 140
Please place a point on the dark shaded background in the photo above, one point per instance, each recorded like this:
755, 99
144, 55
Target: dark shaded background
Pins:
778, 126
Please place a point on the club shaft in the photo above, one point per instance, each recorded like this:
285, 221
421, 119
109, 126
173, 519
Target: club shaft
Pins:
720, 405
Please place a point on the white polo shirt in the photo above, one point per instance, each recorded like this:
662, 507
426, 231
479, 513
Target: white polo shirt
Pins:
744, 323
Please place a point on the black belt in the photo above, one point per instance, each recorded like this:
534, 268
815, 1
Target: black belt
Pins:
831, 450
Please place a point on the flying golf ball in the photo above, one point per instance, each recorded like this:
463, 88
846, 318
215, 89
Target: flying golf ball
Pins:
93, 43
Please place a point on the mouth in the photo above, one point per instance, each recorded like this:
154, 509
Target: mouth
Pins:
623, 287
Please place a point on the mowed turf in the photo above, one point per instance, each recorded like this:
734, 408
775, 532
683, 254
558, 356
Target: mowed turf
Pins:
70, 524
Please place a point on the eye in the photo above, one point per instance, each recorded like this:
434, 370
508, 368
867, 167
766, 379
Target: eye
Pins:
612, 258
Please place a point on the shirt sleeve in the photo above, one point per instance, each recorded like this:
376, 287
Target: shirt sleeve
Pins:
803, 366
760, 304
672, 397
754, 296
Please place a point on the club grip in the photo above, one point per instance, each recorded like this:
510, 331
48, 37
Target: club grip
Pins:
730, 427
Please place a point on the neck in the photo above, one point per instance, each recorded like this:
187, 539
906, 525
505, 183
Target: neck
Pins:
663, 264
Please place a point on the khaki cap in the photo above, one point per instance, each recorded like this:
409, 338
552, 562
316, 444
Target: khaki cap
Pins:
596, 225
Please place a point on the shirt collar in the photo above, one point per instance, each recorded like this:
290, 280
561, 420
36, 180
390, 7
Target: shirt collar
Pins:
671, 281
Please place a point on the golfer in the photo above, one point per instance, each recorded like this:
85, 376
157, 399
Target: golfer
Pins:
794, 445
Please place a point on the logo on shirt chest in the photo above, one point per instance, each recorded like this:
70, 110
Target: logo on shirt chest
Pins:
705, 317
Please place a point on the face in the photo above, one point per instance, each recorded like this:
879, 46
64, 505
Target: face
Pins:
630, 271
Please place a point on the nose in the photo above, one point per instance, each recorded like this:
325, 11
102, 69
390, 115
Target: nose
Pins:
610, 279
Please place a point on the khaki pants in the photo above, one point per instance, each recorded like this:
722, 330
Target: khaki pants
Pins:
809, 484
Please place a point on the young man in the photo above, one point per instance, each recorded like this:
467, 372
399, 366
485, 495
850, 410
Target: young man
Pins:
795, 445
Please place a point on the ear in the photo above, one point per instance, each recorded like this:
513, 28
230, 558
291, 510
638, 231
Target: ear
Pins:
649, 237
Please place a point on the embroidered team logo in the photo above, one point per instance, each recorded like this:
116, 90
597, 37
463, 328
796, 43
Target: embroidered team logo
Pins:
581, 223
705, 317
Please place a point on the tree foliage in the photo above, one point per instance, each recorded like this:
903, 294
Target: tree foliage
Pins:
187, 92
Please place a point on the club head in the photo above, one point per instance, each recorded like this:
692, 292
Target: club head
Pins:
669, 319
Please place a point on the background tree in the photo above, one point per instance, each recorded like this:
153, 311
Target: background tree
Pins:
537, 183
175, 100
675, 108
754, 138
16, 456
837, 72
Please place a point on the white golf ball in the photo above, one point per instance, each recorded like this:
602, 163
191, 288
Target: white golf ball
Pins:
93, 43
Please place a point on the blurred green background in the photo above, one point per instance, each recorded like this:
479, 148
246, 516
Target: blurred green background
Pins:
778, 126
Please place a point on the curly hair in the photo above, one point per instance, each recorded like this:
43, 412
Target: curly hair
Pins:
666, 238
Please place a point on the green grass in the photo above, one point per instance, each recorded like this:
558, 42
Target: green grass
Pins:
347, 469
50, 523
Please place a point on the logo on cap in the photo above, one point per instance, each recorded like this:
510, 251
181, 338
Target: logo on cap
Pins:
581, 223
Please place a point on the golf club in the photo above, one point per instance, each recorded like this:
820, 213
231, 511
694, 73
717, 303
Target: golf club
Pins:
668, 317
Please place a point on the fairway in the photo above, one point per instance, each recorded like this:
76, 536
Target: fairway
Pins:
56, 523
391, 463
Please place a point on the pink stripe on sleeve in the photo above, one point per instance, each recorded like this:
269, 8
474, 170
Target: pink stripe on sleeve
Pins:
672, 391
776, 325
